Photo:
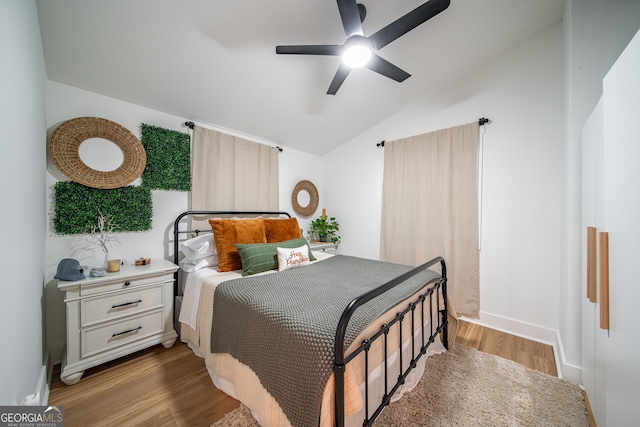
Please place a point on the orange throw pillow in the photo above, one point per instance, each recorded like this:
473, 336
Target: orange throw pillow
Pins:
228, 232
279, 230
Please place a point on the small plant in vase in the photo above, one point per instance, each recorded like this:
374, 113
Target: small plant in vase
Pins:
326, 228
102, 235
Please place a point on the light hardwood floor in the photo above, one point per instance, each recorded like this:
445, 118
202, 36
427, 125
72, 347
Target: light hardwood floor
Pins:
171, 387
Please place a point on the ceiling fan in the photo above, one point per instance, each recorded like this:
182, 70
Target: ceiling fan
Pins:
360, 47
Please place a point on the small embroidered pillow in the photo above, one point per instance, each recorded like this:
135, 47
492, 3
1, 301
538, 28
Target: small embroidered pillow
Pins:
293, 257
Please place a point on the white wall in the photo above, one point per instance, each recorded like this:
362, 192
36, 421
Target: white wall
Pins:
296, 166
522, 93
66, 102
23, 213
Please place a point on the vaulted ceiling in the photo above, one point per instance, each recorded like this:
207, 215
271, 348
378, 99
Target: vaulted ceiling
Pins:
214, 61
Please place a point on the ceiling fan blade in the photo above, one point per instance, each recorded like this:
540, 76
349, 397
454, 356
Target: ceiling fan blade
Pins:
320, 49
408, 22
338, 79
386, 68
350, 17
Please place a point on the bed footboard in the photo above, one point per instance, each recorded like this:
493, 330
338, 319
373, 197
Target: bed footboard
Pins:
413, 313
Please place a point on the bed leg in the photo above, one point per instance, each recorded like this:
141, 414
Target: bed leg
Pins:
445, 330
445, 312
339, 394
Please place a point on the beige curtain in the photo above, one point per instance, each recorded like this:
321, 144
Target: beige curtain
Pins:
430, 207
231, 173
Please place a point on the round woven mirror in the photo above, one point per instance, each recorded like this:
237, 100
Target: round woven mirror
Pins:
298, 194
64, 150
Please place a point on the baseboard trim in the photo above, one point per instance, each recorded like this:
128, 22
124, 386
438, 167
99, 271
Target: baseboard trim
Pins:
41, 395
535, 333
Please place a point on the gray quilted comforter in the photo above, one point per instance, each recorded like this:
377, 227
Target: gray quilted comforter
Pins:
283, 325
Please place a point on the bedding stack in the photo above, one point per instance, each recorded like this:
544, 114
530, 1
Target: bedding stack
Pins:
249, 245
245, 246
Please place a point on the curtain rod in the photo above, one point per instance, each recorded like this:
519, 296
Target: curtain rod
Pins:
191, 125
481, 122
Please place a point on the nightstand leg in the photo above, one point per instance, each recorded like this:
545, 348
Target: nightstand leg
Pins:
71, 379
169, 343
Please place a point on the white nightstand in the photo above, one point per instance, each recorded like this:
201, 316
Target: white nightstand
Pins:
324, 246
115, 315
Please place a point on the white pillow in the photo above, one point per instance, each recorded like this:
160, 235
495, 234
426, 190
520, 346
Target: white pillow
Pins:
198, 247
190, 266
292, 257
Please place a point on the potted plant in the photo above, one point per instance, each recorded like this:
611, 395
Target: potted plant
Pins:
326, 228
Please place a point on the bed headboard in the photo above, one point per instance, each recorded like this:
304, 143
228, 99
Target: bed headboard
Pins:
207, 214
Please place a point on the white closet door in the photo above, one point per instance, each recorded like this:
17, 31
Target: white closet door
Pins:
594, 339
621, 96
589, 137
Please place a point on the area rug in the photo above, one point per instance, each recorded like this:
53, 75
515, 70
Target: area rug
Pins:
466, 387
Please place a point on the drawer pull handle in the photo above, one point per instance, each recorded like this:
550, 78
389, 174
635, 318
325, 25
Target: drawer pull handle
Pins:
126, 332
127, 283
125, 304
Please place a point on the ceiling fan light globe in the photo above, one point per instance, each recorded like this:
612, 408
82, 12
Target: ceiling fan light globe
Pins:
356, 56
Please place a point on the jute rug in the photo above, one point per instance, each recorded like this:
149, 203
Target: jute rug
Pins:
465, 387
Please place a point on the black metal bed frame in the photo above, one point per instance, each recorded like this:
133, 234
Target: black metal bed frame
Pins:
340, 359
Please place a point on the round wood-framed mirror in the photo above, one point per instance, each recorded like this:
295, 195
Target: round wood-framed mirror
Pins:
65, 144
304, 198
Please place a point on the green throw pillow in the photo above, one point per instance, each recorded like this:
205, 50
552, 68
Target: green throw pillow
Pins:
259, 257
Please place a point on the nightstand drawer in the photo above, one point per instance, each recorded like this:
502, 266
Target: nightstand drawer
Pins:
112, 306
118, 284
95, 340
